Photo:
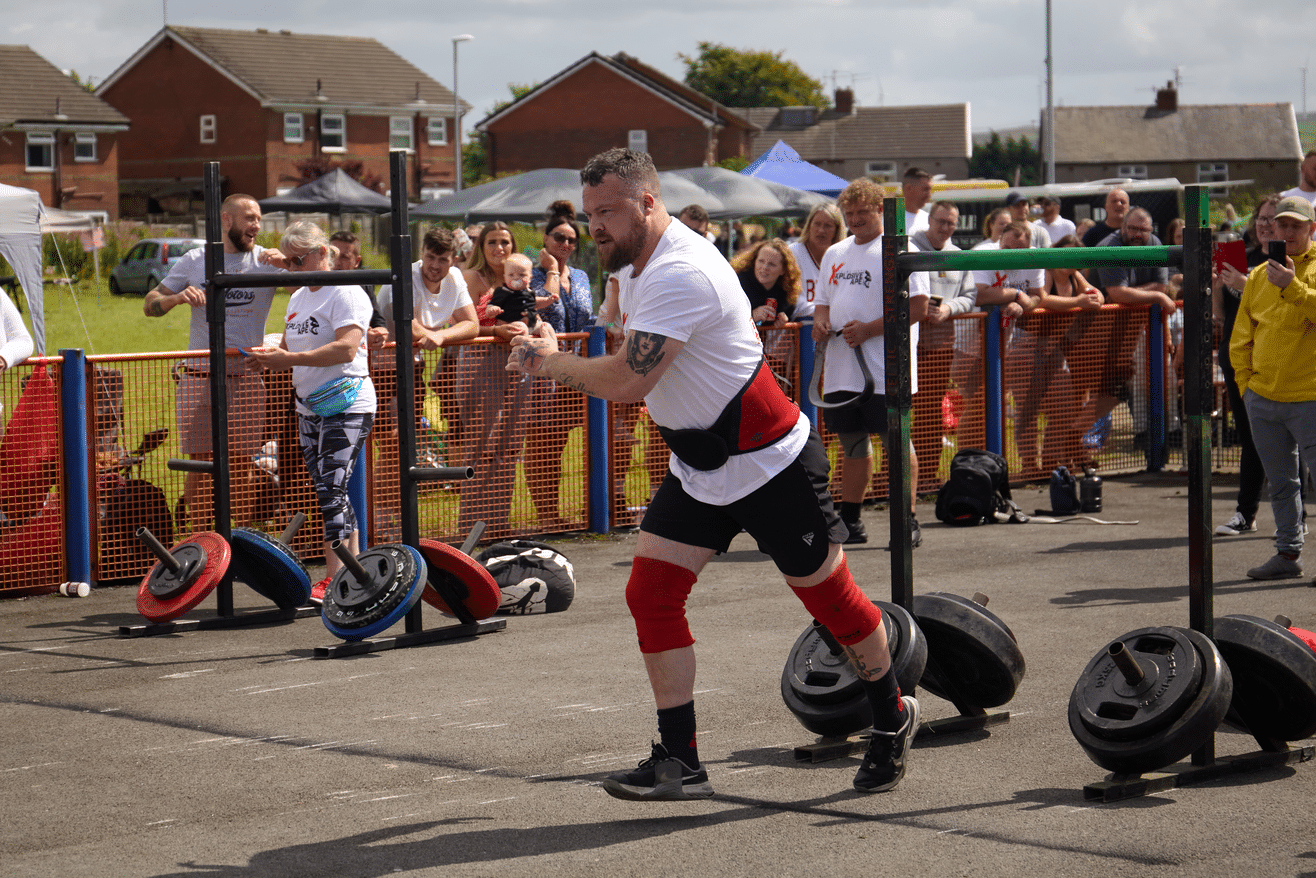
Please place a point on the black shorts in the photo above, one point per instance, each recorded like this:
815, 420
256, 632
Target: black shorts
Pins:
791, 517
867, 417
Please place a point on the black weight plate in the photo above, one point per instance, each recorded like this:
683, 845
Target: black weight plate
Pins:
215, 549
1274, 678
1114, 710
354, 612
823, 691
458, 570
1187, 733
972, 646
270, 568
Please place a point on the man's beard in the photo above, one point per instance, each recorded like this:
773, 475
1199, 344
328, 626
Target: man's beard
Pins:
238, 240
623, 251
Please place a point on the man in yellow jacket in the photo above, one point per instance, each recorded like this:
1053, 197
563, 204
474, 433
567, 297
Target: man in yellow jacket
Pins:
1273, 349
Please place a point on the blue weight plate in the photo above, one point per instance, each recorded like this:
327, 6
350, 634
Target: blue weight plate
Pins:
270, 568
353, 612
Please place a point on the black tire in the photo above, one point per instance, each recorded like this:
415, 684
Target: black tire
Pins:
114, 287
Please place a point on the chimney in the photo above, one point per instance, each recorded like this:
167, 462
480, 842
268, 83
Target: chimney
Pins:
845, 101
1167, 99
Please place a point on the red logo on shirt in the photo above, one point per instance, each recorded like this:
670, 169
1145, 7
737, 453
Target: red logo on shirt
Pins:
1001, 278
835, 270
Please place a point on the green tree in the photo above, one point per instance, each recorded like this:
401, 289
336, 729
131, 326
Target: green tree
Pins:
997, 160
745, 78
475, 152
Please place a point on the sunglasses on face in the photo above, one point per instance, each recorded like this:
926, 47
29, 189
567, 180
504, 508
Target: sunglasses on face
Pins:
564, 239
298, 260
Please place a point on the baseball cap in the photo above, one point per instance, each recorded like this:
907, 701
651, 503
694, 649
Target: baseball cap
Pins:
1014, 198
1047, 199
1297, 207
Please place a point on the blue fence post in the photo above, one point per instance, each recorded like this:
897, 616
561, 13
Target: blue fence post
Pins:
77, 471
994, 389
1156, 440
806, 373
596, 431
356, 495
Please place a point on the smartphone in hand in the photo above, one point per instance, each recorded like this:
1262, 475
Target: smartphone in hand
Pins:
1275, 250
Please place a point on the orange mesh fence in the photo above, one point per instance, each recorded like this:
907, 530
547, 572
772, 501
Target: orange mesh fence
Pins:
524, 437
135, 427
31, 478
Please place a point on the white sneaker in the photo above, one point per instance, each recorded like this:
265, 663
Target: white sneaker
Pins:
1235, 525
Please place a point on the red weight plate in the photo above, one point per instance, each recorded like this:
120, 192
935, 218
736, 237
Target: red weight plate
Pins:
482, 593
1306, 637
217, 561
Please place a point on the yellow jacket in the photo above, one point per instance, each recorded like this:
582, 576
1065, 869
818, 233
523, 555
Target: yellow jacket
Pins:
1273, 346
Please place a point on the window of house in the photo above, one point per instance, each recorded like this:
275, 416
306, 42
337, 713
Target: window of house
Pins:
1214, 172
400, 133
40, 151
209, 126
333, 132
84, 147
638, 139
882, 172
1132, 172
436, 131
293, 131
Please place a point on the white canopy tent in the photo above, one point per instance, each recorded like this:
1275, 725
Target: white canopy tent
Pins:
20, 244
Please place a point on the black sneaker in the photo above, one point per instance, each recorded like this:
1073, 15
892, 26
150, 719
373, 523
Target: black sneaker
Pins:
858, 533
884, 763
915, 534
660, 778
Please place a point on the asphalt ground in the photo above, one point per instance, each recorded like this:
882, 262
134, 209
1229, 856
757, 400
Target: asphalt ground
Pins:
236, 753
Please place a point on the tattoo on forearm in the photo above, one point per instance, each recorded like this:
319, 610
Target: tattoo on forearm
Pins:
644, 351
573, 382
154, 308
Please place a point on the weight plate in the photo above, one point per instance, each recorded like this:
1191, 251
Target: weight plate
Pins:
208, 544
1306, 637
455, 570
1189, 731
354, 611
165, 583
822, 689
1115, 710
270, 568
1274, 678
972, 646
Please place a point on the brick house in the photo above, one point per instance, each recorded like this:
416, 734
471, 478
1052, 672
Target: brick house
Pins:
56, 137
600, 102
1205, 143
878, 142
267, 105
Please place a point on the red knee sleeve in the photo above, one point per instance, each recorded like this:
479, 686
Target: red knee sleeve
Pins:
656, 594
839, 604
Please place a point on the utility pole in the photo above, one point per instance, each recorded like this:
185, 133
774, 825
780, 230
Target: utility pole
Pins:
1050, 146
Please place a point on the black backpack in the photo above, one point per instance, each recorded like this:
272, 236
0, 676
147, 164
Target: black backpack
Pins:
977, 490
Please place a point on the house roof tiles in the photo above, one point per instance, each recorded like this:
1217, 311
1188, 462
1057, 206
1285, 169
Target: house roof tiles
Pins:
30, 86
1209, 132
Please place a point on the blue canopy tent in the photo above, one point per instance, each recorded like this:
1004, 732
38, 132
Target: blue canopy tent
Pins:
781, 164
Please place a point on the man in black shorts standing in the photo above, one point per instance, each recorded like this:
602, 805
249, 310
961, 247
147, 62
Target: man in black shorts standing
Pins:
743, 457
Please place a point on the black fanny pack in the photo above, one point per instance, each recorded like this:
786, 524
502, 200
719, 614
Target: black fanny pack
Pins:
758, 416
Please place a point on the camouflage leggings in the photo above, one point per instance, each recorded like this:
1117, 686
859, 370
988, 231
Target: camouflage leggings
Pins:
329, 447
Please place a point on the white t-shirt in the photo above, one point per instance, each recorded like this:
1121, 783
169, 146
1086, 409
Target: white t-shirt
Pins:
245, 310
1057, 229
431, 309
313, 318
1297, 190
850, 284
808, 281
916, 221
1017, 278
688, 292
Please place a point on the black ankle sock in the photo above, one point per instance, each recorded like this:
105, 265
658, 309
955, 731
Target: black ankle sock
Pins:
850, 511
884, 697
676, 730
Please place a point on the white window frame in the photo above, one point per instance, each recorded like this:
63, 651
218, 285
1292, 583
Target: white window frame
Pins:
326, 131
396, 124
81, 140
1214, 172
882, 171
1132, 172
637, 139
294, 128
41, 139
436, 131
209, 128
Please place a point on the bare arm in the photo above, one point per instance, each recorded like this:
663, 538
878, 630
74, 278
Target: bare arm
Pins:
161, 300
625, 376
341, 350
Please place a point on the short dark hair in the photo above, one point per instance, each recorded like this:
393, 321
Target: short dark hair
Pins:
915, 173
635, 169
695, 212
345, 236
942, 205
439, 241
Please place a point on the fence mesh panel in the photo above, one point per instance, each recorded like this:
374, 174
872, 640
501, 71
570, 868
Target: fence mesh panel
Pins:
32, 491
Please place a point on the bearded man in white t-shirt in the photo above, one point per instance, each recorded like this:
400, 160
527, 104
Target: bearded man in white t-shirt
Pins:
743, 457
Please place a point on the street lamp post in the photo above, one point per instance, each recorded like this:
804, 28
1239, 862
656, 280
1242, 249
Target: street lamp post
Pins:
456, 112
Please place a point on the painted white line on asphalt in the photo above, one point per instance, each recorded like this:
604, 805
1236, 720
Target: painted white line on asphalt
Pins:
183, 675
283, 688
37, 765
163, 822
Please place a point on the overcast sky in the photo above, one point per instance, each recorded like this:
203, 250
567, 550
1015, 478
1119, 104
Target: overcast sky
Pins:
990, 53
